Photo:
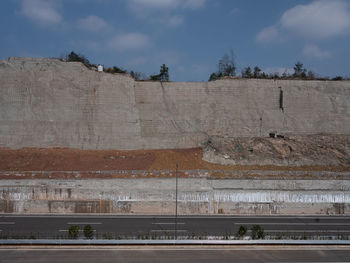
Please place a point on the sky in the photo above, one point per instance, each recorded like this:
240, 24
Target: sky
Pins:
189, 36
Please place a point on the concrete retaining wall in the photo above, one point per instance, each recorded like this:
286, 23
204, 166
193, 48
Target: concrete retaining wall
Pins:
45, 103
157, 196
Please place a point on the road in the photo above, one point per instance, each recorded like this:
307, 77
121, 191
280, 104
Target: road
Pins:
108, 226
151, 254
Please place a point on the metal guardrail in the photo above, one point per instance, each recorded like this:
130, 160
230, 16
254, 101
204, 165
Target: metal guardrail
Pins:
171, 242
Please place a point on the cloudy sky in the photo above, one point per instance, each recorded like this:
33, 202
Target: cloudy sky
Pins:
189, 36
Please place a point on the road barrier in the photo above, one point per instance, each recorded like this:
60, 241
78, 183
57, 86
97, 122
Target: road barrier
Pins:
172, 242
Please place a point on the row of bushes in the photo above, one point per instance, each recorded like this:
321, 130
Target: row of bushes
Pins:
226, 68
299, 73
73, 231
256, 232
75, 57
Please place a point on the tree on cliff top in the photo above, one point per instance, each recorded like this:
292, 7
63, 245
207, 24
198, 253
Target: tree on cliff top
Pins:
226, 67
74, 57
299, 71
163, 74
227, 64
247, 73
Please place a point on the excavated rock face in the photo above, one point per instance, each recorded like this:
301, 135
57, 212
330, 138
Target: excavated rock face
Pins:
320, 149
50, 103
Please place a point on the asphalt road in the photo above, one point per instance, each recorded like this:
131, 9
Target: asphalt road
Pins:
202, 255
141, 226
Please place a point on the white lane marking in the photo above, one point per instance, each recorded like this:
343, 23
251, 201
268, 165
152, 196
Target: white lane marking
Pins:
296, 224
172, 230
7, 223
65, 230
187, 248
184, 217
308, 231
84, 223
168, 223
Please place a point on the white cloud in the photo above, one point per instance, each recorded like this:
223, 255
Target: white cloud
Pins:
162, 11
176, 21
43, 12
320, 19
129, 42
267, 35
152, 3
313, 51
193, 4
92, 23
168, 4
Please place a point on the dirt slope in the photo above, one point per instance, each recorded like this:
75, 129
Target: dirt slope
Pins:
62, 159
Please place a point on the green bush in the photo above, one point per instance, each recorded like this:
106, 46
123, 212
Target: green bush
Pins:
242, 231
73, 232
163, 74
115, 70
257, 232
337, 78
88, 232
74, 57
215, 76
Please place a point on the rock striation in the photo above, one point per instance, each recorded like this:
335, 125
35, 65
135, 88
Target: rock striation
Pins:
50, 103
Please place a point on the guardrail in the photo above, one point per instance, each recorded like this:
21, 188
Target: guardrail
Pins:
172, 242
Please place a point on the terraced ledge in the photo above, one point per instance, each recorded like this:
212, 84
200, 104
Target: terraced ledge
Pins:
209, 174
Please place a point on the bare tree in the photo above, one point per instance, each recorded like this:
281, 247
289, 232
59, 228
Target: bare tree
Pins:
227, 64
226, 67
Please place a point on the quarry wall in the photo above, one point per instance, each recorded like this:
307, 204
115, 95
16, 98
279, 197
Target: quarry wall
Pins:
49, 103
200, 195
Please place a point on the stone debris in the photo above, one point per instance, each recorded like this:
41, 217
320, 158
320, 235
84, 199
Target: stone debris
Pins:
309, 150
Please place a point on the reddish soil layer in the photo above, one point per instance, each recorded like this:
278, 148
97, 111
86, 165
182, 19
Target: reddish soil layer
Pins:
62, 159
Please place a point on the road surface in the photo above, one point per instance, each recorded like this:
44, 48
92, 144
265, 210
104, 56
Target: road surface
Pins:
176, 254
110, 226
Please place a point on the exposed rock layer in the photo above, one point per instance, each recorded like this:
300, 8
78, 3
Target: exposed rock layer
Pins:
49, 103
323, 150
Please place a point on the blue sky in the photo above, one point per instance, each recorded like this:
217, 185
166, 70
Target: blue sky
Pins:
189, 36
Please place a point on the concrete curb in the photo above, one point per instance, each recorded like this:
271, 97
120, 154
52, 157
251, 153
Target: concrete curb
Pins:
170, 215
172, 242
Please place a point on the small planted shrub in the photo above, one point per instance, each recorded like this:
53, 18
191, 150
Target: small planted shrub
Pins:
73, 232
242, 231
257, 232
88, 232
